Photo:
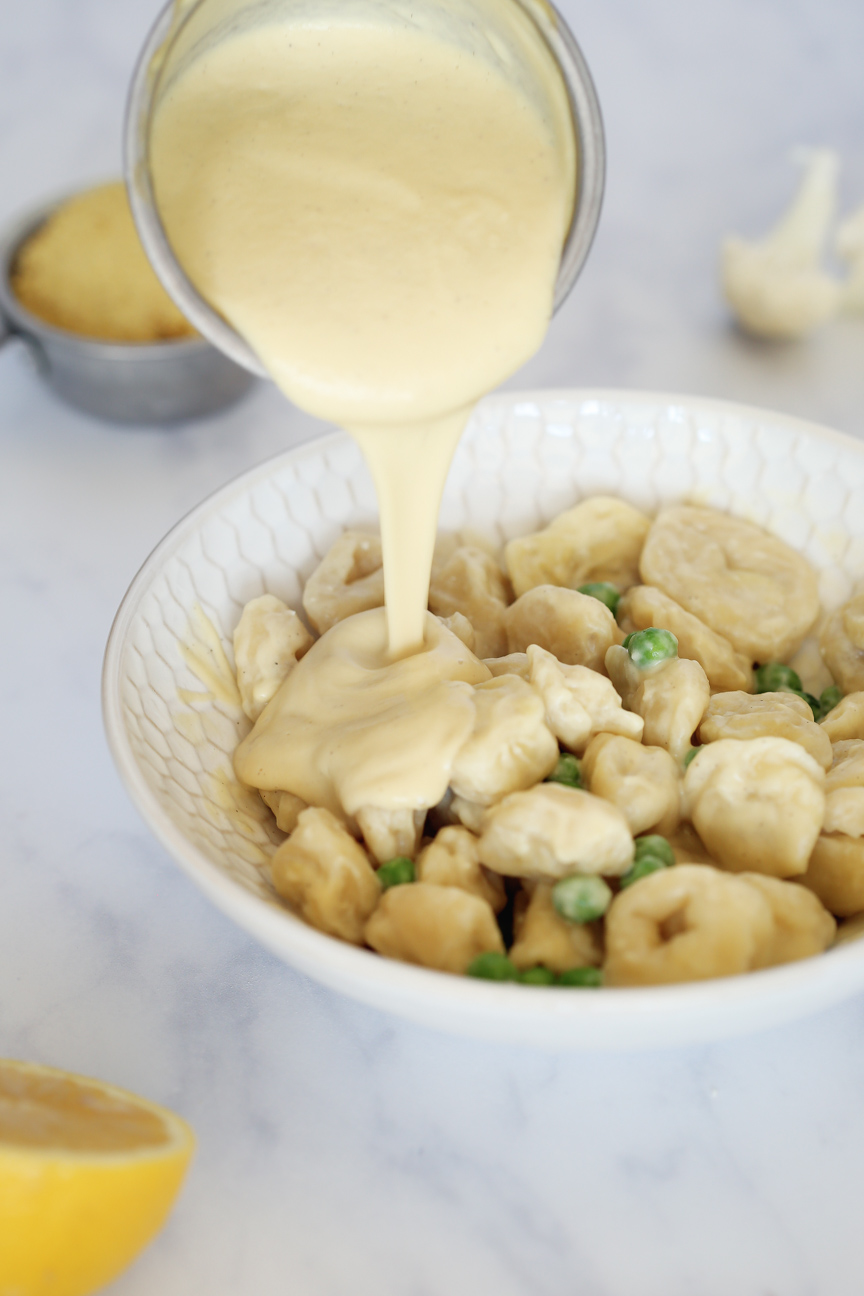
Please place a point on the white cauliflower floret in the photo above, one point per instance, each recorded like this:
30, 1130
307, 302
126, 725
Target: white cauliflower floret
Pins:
574, 627
757, 805
579, 703
453, 859
544, 937
326, 876
269, 641
551, 831
850, 248
388, 833
439, 927
349, 579
643, 782
776, 285
511, 746
471, 582
670, 696
598, 540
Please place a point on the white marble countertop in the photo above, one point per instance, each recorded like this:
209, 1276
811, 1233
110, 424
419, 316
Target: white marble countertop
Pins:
341, 1150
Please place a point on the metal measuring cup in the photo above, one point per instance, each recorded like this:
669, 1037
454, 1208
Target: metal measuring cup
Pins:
127, 382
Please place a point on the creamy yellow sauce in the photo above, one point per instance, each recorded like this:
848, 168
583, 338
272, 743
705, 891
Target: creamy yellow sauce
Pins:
380, 211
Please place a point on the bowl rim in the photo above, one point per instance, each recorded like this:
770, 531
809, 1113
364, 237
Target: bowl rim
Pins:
462, 999
27, 325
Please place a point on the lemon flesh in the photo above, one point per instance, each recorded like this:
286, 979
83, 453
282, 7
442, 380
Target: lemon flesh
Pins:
88, 1174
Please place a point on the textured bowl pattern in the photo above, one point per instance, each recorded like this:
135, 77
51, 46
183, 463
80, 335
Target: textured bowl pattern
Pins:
523, 459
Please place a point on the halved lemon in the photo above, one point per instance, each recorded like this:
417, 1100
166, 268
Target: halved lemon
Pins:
88, 1174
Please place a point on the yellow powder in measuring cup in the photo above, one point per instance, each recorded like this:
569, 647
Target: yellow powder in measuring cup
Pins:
84, 270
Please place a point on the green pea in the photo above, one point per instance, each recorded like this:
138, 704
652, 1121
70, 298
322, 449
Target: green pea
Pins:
774, 677
654, 844
492, 966
648, 647
538, 975
603, 591
584, 976
641, 868
831, 697
396, 872
581, 898
691, 756
566, 772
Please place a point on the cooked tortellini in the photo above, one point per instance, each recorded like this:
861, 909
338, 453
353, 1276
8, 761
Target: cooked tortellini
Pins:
442, 927
745, 584
644, 782
268, 641
543, 937
453, 859
326, 876
844, 790
349, 579
846, 719
687, 923
470, 582
582, 838
765, 715
758, 805
842, 644
671, 697
598, 540
643, 606
574, 627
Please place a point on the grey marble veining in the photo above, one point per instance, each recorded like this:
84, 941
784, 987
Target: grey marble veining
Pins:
341, 1150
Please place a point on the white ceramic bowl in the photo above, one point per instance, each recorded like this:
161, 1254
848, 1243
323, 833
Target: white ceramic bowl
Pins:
523, 459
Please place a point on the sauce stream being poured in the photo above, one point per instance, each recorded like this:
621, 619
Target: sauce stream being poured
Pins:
380, 211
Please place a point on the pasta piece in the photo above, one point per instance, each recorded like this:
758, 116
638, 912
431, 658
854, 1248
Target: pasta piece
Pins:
643, 606
544, 937
643, 782
472, 583
453, 859
598, 540
757, 805
671, 698
765, 715
268, 642
745, 584
573, 627
687, 923
441, 927
349, 579
326, 876
551, 831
